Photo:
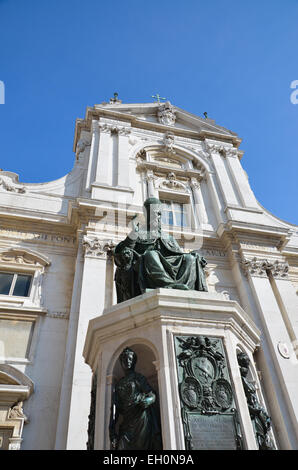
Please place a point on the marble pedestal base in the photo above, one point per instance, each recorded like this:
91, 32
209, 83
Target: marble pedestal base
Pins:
148, 324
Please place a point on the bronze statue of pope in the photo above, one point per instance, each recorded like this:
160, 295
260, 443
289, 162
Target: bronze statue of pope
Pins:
150, 259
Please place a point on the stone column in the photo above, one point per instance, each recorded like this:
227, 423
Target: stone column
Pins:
104, 158
276, 333
217, 154
92, 302
66, 386
199, 203
93, 154
240, 178
109, 290
286, 298
166, 368
123, 154
217, 201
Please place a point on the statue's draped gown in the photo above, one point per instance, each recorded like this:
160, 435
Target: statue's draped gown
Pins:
140, 427
161, 263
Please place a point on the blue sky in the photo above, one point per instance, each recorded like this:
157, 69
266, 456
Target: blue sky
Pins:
234, 59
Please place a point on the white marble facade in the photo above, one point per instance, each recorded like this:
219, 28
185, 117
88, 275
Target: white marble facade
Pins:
62, 234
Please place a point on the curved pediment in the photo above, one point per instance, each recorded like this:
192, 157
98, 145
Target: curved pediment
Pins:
23, 256
9, 375
171, 156
6, 379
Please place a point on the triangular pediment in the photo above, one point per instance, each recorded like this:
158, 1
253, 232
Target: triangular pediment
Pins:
153, 113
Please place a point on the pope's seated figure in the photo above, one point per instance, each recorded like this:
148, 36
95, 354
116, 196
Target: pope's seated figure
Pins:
149, 259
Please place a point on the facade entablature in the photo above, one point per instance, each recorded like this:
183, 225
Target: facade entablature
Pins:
32, 206
254, 243
256, 229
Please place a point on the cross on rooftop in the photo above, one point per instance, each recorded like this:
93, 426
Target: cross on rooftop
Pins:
158, 97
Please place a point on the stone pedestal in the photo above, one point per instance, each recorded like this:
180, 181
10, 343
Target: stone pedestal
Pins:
150, 324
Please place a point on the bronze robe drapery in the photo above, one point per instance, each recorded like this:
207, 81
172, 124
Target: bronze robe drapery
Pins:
160, 262
140, 427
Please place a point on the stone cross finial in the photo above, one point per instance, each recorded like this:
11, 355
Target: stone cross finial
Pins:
158, 97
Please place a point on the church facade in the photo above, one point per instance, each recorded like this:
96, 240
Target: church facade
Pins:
57, 290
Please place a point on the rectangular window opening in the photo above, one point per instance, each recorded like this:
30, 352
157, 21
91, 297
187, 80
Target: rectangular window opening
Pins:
15, 284
174, 213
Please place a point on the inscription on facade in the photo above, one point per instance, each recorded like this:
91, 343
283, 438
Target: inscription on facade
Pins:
213, 252
47, 237
215, 432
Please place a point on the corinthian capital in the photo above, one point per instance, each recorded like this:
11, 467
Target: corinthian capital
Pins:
256, 266
214, 148
261, 267
280, 270
231, 152
97, 248
115, 128
221, 149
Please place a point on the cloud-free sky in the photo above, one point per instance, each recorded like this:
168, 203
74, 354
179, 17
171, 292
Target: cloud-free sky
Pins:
234, 59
